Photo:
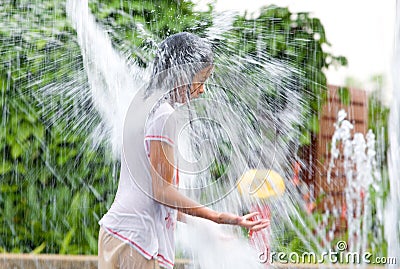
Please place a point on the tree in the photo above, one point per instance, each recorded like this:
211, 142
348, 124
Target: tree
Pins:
296, 39
137, 27
54, 186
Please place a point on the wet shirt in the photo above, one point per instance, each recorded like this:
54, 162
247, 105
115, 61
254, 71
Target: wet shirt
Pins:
134, 216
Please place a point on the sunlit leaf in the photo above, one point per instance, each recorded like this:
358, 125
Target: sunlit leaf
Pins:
39, 249
5, 167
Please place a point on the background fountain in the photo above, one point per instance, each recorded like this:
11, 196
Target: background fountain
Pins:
63, 88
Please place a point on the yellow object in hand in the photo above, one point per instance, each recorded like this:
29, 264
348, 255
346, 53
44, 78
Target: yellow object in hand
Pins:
261, 183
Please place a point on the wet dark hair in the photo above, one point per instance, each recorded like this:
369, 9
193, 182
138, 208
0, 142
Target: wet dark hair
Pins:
181, 49
178, 58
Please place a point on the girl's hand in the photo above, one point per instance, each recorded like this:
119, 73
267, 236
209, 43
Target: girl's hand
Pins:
243, 221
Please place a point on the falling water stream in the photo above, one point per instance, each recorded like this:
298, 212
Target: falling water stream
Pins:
392, 216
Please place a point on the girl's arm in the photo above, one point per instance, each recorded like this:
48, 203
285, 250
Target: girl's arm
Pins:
162, 171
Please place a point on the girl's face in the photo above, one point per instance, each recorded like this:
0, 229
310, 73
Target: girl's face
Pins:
197, 87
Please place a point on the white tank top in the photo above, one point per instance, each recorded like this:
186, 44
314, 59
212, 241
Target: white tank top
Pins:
134, 217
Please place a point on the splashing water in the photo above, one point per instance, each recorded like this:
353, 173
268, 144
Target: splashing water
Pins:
112, 82
232, 102
392, 214
243, 130
225, 251
255, 134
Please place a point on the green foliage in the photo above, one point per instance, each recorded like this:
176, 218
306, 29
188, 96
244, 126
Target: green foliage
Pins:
378, 197
137, 26
344, 95
301, 223
378, 117
54, 186
296, 39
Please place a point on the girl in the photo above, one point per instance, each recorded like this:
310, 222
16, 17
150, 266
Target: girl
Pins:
138, 229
